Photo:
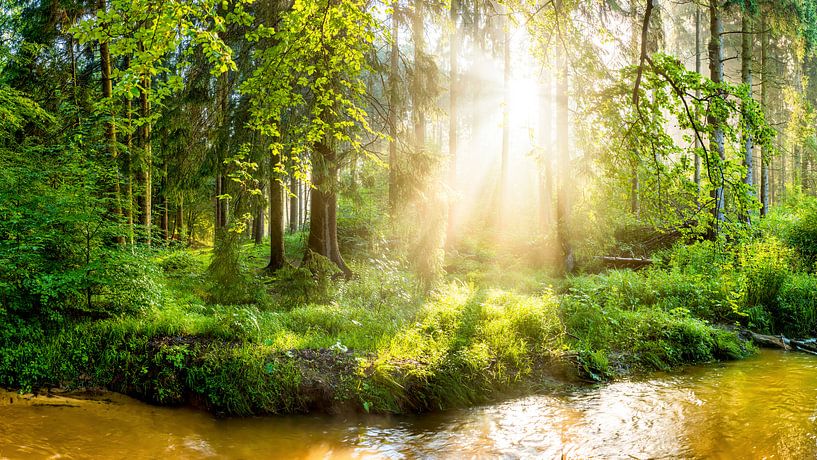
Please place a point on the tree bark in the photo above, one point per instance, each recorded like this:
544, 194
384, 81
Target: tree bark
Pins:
276, 225
294, 205
165, 219
746, 78
698, 146
110, 132
418, 30
128, 165
764, 102
565, 176
394, 82
323, 234
506, 117
146, 168
717, 140
453, 118
545, 173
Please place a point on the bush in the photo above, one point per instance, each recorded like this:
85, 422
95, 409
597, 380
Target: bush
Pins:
795, 312
179, 262
765, 265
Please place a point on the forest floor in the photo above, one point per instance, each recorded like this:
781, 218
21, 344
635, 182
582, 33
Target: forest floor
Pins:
372, 344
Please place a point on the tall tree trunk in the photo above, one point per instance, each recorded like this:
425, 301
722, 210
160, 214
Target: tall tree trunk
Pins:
764, 103
294, 206
110, 132
418, 30
717, 141
165, 205
746, 79
323, 233
506, 121
545, 173
276, 225
394, 100
129, 164
146, 169
636, 54
453, 118
179, 230
698, 146
565, 176
258, 237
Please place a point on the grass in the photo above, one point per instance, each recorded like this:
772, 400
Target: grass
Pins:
376, 343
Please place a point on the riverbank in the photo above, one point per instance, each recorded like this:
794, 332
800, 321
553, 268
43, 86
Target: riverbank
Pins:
708, 411
373, 345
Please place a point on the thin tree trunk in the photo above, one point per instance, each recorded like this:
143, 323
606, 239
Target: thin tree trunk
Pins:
418, 28
565, 176
545, 174
165, 205
179, 231
746, 78
636, 54
294, 205
698, 69
506, 128
453, 118
110, 132
394, 82
764, 103
128, 165
717, 141
145, 171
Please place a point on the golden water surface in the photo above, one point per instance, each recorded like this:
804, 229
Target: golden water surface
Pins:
764, 407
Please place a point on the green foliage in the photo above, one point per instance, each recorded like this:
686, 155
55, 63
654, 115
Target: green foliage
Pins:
233, 282
801, 233
795, 312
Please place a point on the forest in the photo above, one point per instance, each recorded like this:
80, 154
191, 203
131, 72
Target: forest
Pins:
260, 207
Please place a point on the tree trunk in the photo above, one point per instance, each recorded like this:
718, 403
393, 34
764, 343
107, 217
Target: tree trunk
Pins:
565, 176
258, 235
746, 79
294, 205
506, 128
128, 165
165, 205
323, 233
717, 141
636, 54
698, 146
178, 232
110, 132
453, 119
394, 82
764, 102
418, 29
545, 173
276, 225
146, 169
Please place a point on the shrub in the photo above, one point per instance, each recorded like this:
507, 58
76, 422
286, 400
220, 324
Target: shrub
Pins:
795, 312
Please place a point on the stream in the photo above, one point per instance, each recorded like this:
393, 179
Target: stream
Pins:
762, 407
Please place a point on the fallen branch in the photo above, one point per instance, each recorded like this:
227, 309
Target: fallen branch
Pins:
783, 343
626, 262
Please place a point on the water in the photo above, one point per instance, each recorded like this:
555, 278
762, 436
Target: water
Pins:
764, 407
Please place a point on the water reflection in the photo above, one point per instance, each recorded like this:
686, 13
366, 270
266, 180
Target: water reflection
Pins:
764, 407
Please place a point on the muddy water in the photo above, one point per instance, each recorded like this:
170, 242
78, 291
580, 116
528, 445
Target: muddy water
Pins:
764, 407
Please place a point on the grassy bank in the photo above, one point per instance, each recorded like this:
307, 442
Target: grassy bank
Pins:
374, 343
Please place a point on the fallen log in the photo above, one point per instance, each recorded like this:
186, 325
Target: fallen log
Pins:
625, 262
783, 343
